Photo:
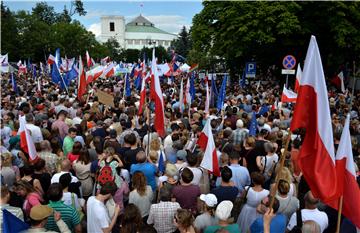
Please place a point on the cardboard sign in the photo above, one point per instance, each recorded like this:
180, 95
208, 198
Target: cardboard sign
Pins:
105, 98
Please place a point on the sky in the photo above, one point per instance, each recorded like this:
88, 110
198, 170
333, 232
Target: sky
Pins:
169, 16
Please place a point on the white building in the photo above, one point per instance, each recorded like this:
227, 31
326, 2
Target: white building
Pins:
135, 34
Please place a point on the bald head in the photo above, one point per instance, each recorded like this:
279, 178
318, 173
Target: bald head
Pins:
65, 165
141, 157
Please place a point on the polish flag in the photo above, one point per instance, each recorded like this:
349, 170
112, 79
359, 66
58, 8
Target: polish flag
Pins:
142, 96
298, 78
347, 178
158, 97
51, 60
338, 81
109, 70
81, 80
93, 74
207, 144
26, 142
207, 101
88, 60
312, 112
288, 96
181, 95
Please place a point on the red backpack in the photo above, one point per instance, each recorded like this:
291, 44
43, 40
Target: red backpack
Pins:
105, 174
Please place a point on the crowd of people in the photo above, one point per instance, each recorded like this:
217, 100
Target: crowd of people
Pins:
105, 169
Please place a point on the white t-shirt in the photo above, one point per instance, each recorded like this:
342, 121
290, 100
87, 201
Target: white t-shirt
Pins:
197, 175
315, 215
168, 142
36, 134
68, 200
56, 177
97, 215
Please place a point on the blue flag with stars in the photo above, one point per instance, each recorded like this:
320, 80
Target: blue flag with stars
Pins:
192, 87
127, 86
161, 163
253, 125
242, 81
222, 94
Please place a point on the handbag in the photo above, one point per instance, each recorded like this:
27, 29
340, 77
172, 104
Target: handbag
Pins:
239, 203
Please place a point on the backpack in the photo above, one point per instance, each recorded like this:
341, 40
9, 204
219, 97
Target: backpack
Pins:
105, 174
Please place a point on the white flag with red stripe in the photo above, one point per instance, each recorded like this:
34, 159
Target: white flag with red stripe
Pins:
88, 60
312, 112
93, 74
109, 70
142, 96
158, 98
288, 96
81, 80
347, 178
298, 78
206, 143
26, 142
51, 60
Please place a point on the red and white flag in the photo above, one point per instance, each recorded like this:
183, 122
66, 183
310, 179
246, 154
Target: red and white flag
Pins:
26, 142
288, 96
81, 80
347, 178
93, 74
207, 101
158, 98
88, 60
312, 112
206, 143
338, 81
51, 60
298, 78
109, 70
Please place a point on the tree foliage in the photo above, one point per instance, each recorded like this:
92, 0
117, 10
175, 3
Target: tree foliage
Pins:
182, 44
37, 34
239, 31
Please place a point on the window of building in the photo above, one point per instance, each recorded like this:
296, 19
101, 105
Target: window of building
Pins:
112, 26
137, 41
129, 41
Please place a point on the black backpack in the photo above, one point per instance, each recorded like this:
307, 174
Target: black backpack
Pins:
299, 223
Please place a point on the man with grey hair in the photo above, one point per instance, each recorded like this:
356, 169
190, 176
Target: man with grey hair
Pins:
50, 158
240, 133
310, 213
145, 167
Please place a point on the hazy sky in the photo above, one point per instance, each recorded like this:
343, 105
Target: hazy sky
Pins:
166, 15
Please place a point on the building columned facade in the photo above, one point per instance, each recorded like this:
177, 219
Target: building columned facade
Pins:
138, 33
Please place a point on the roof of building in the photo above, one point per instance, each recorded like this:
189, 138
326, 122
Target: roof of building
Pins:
141, 21
141, 24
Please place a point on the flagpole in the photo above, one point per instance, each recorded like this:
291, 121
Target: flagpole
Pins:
282, 161
341, 198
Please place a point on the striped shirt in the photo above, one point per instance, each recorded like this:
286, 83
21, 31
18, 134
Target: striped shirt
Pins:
14, 210
68, 214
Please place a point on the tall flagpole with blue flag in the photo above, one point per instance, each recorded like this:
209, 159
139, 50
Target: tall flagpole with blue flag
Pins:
161, 163
56, 77
253, 125
11, 223
127, 86
222, 94
13, 83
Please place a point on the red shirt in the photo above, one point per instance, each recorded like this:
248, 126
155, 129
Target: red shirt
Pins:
72, 157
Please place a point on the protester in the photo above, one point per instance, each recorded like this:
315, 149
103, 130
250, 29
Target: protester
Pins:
4, 205
142, 195
183, 220
223, 212
207, 218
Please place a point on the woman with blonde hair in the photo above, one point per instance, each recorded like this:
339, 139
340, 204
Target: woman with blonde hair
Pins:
141, 195
31, 197
285, 174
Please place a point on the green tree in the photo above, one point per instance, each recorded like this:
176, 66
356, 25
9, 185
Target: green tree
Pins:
182, 44
45, 13
115, 49
266, 31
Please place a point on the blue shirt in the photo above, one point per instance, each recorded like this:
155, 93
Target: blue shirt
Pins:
149, 171
277, 225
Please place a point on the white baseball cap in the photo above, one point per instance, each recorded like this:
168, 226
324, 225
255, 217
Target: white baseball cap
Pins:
209, 199
223, 210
